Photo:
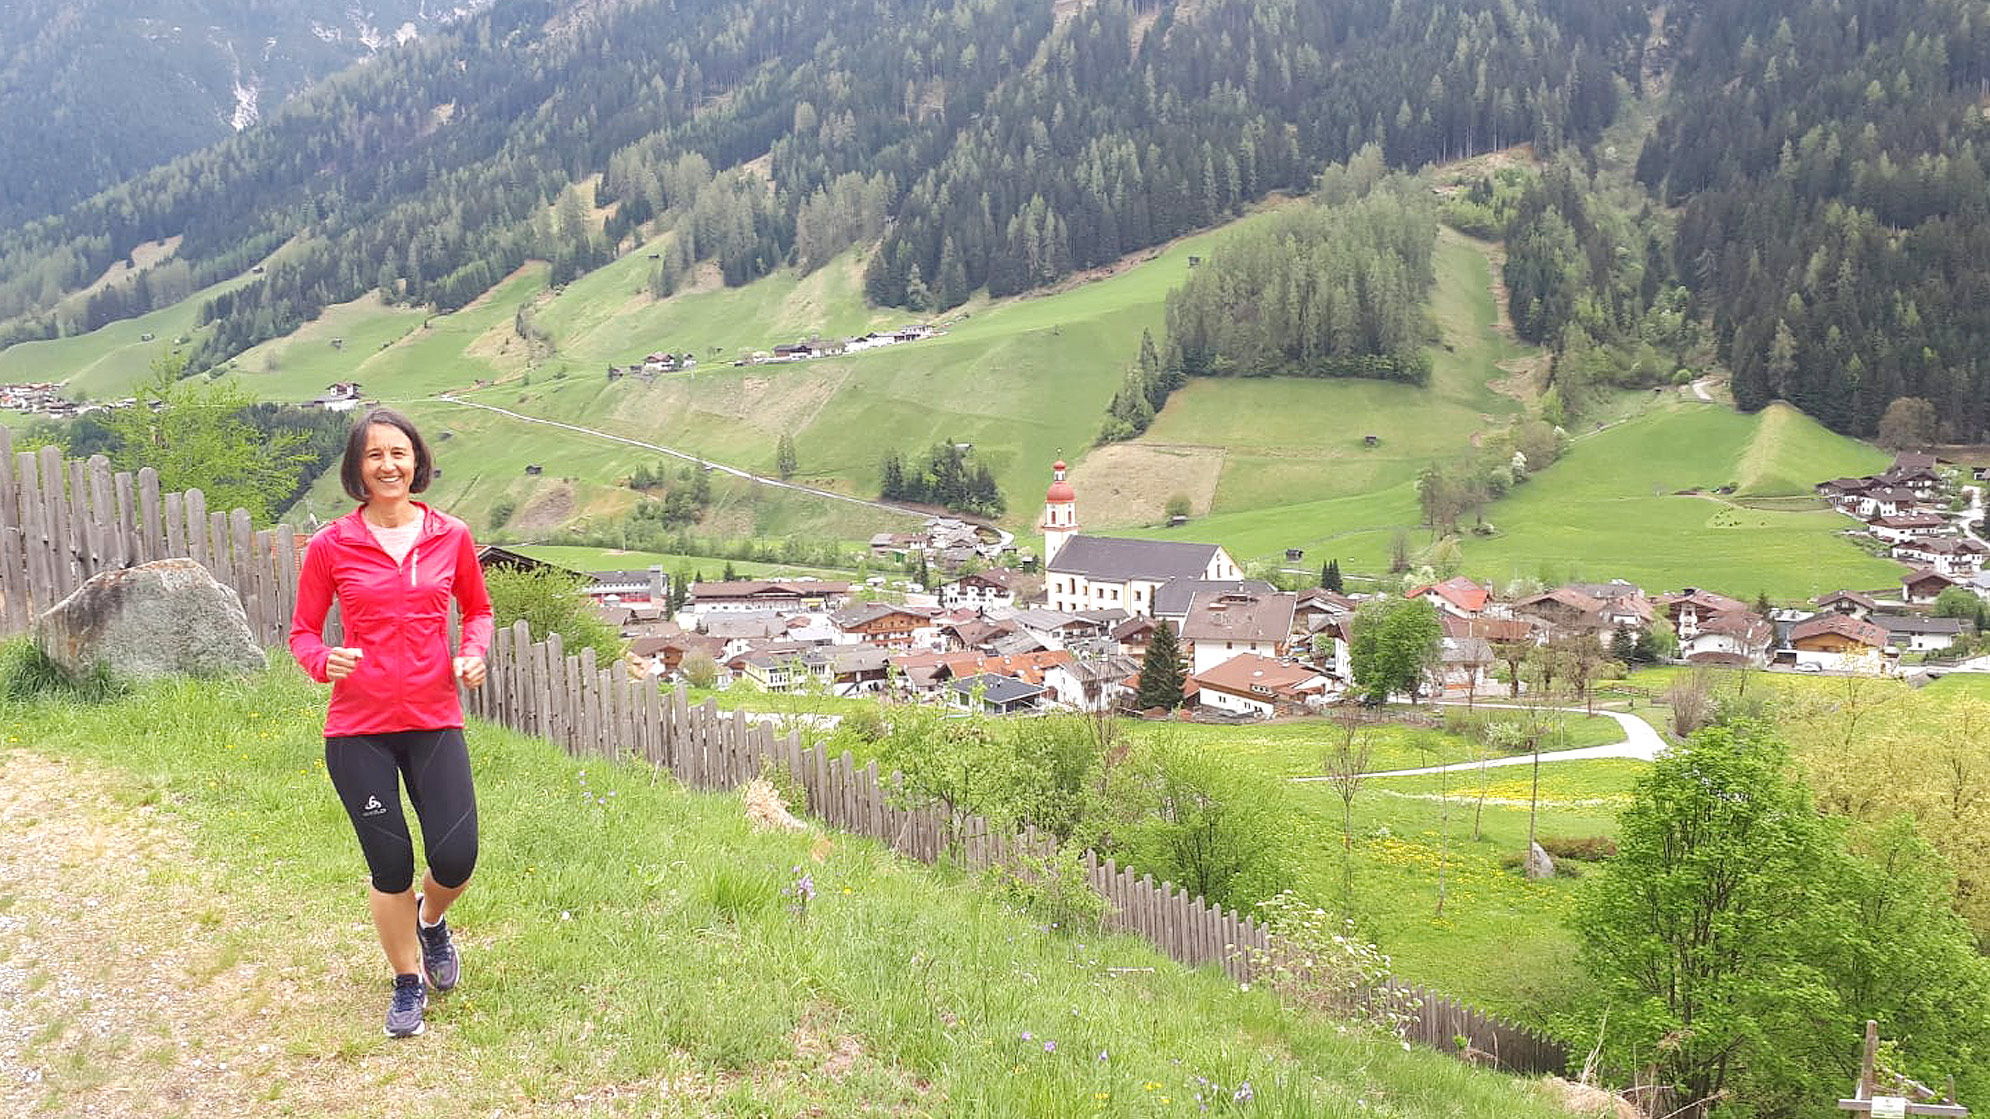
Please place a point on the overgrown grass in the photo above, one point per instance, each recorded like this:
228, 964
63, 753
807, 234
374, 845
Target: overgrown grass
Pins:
627, 934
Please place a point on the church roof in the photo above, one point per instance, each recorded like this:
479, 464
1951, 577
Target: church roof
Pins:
1118, 559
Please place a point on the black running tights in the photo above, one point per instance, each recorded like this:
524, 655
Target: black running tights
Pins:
367, 770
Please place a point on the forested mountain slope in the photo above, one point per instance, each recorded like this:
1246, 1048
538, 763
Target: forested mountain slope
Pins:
992, 143
95, 91
1830, 157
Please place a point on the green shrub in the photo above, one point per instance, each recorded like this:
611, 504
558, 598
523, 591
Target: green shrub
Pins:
28, 673
1055, 890
1588, 848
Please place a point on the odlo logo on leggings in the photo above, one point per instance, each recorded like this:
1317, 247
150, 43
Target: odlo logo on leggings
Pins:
373, 807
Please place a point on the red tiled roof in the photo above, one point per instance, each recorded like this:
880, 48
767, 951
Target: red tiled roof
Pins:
1844, 625
1458, 591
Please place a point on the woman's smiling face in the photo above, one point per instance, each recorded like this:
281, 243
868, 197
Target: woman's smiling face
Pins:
390, 463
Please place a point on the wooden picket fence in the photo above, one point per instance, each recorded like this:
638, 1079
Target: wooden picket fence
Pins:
63, 521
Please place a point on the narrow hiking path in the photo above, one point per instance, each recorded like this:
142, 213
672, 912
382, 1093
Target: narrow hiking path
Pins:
142, 980
1640, 743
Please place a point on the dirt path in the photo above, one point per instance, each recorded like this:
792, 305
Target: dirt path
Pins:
134, 983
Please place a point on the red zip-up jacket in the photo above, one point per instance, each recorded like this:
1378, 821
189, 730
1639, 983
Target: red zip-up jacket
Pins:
397, 615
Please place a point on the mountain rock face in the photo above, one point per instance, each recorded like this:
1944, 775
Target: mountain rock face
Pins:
95, 91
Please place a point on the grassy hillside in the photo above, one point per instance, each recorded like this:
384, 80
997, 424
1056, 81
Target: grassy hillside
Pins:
1267, 464
629, 951
1789, 453
1614, 507
109, 362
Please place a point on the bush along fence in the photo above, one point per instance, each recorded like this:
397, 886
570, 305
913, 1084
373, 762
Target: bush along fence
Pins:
63, 521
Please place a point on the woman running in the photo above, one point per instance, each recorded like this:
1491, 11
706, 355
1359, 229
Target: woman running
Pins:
394, 564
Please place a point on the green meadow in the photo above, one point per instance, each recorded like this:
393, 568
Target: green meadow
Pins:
1616, 507
576, 558
111, 361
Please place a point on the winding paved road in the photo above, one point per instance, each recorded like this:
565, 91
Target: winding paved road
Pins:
1640, 742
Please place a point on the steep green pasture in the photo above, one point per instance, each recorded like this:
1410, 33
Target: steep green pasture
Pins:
332, 347
1789, 453
575, 558
1025, 381
109, 362
608, 318
1290, 441
396, 354
1612, 508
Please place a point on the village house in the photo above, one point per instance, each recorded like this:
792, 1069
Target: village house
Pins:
1624, 604
664, 655
1261, 687
1101, 684
1464, 668
1923, 586
1087, 634
628, 587
990, 694
1569, 611
1958, 558
1104, 572
1173, 598
1850, 603
742, 629
1896, 530
1841, 643
340, 396
992, 589
897, 547
1221, 626
1027, 667
977, 633
758, 594
1688, 608
1918, 633
1458, 596
1735, 639
1844, 493
1316, 604
1885, 501
1131, 636
878, 623
1915, 471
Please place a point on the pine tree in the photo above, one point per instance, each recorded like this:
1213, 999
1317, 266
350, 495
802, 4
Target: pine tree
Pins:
1330, 577
784, 456
730, 574
1623, 647
1161, 674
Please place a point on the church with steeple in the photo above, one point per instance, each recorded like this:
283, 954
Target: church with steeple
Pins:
1083, 572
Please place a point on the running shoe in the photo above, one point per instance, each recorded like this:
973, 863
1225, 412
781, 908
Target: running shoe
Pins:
438, 953
404, 1014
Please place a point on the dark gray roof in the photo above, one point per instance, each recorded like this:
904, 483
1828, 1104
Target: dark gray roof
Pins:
1171, 599
1111, 557
1915, 623
1000, 690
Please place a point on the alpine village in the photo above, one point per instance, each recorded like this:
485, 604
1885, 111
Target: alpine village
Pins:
1048, 558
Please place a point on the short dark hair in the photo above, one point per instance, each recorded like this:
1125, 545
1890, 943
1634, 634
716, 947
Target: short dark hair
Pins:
350, 471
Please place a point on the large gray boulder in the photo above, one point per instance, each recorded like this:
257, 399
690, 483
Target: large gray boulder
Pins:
164, 618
